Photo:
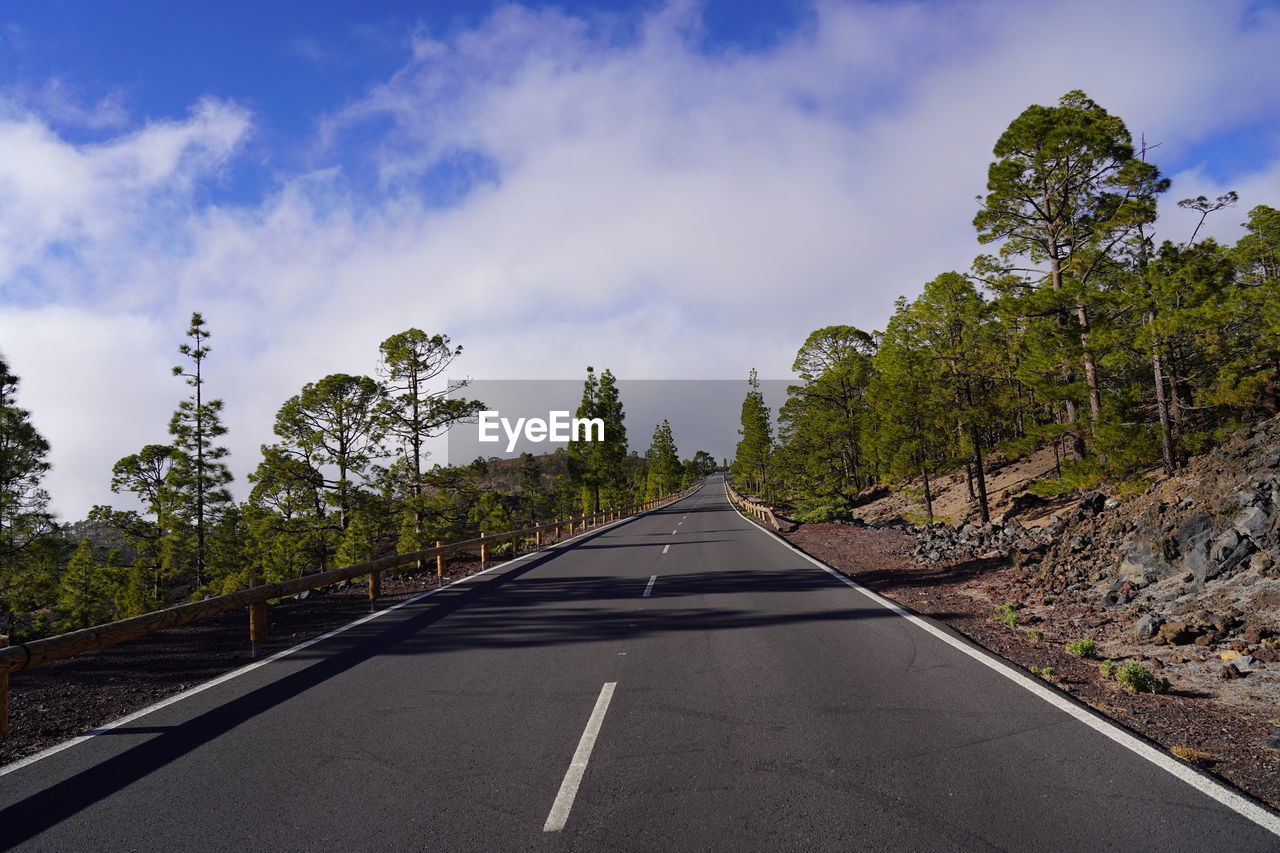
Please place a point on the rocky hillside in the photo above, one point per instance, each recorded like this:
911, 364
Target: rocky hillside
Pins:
1186, 573
1197, 557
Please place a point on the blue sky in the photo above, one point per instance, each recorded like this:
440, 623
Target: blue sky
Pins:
289, 62
669, 189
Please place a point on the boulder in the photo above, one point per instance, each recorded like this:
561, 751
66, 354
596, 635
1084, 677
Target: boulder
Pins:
1255, 521
1193, 531
1178, 633
1257, 633
1145, 628
1142, 565
1227, 551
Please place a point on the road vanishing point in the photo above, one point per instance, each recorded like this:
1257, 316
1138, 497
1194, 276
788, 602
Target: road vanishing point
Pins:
679, 680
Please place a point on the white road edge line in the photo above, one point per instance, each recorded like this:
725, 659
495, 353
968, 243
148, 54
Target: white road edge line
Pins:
559, 815
1209, 787
648, 589
247, 668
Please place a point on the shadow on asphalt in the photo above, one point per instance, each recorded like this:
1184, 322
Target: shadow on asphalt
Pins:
684, 543
544, 612
930, 576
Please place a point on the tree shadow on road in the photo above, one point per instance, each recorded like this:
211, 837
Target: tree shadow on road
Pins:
544, 611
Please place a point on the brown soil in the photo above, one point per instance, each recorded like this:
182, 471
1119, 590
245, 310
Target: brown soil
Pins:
951, 501
51, 703
964, 595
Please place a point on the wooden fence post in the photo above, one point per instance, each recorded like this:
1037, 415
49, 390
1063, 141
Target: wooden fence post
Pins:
537, 538
484, 550
375, 588
257, 622
440, 558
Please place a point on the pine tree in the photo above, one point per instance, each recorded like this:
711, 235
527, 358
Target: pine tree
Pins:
24, 517
289, 528
611, 452
820, 425
955, 327
84, 595
1257, 257
909, 431
339, 421
1065, 190
199, 477
412, 361
755, 444
663, 472
597, 468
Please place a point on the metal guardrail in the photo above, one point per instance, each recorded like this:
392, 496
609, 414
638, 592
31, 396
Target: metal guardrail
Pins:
36, 652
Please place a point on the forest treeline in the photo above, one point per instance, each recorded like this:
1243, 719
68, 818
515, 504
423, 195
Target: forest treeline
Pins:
345, 480
1080, 332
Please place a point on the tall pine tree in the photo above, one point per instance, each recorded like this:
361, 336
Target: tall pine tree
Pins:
199, 477
755, 443
24, 504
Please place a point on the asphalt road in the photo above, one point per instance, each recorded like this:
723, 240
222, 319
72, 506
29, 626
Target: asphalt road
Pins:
678, 681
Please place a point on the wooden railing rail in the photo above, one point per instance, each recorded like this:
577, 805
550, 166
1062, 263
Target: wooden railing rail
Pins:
36, 652
764, 512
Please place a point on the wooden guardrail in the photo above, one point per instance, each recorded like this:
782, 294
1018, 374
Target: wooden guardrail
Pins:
762, 511
36, 652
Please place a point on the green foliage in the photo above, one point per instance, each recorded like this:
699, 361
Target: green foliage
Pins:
1107, 669
702, 465
84, 592
821, 510
663, 473
598, 468
1064, 193
1035, 635
337, 422
490, 513
755, 449
1076, 477
820, 452
1085, 648
1042, 671
196, 480
1006, 614
1139, 679
414, 410
26, 525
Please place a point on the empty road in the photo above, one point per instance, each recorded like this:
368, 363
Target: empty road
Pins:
678, 681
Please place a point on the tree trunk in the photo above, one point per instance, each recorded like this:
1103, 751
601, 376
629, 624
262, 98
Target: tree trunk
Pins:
1162, 404
415, 442
199, 476
928, 494
980, 474
1076, 443
1176, 410
1090, 367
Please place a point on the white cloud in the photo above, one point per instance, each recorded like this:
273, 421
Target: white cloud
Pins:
645, 206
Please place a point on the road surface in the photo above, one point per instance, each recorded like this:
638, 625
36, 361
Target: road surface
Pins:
678, 681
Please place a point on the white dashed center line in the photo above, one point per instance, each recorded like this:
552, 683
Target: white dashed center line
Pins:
573, 776
648, 589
